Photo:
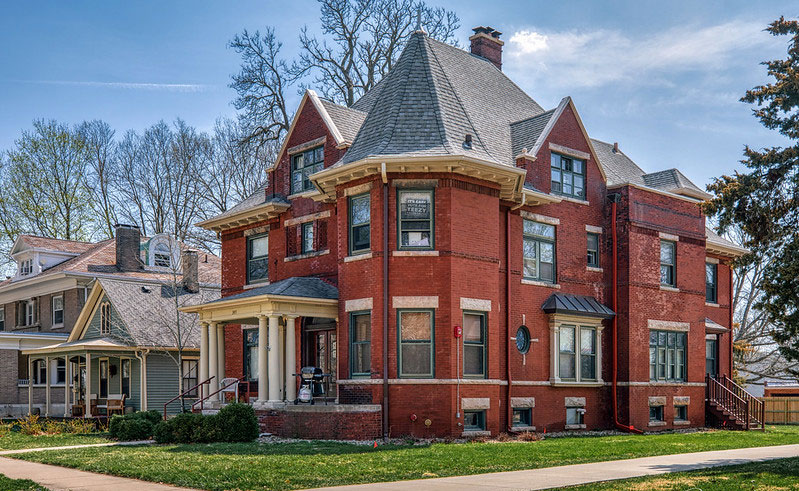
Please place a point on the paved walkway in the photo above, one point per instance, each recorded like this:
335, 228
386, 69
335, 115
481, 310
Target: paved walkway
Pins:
64, 479
570, 475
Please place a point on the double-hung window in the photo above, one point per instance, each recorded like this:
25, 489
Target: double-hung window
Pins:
2, 319
593, 250
58, 310
105, 318
416, 229
359, 235
711, 282
360, 343
577, 355
257, 258
190, 376
60, 371
415, 343
39, 372
668, 263
303, 165
539, 251
251, 357
667, 356
568, 176
474, 344
30, 312
307, 237
125, 362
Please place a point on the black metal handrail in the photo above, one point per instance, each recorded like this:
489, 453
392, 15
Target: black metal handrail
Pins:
183, 394
201, 402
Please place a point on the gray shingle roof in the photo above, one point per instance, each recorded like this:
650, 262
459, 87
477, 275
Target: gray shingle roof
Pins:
258, 197
566, 303
433, 97
149, 311
525, 133
348, 120
619, 168
669, 179
296, 286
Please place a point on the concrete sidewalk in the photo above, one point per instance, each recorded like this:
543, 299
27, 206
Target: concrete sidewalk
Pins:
69, 447
63, 479
570, 475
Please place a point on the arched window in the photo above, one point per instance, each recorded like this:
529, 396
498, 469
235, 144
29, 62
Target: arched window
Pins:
105, 318
162, 256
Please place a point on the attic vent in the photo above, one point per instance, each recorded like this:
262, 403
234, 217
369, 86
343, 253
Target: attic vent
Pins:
146, 289
467, 142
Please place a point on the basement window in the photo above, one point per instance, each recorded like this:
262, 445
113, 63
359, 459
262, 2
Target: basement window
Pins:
575, 417
522, 417
655, 414
474, 420
680, 413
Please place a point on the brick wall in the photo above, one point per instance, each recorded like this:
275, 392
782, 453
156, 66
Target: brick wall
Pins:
320, 423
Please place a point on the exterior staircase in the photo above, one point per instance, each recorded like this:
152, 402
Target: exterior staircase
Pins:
728, 405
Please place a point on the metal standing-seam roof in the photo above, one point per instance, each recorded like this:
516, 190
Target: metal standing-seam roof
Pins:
566, 303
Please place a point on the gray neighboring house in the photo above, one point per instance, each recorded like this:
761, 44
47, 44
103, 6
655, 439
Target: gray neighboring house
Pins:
41, 305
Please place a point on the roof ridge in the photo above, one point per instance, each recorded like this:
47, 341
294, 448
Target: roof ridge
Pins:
37, 236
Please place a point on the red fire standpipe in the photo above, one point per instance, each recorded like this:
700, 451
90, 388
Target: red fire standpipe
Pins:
507, 319
615, 337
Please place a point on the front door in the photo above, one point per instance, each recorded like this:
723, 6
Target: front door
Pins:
319, 350
711, 356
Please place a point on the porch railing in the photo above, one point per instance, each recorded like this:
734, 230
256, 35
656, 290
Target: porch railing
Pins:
732, 398
186, 392
757, 409
202, 400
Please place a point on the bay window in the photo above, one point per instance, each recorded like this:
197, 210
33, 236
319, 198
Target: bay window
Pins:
257, 258
359, 232
360, 343
416, 343
576, 353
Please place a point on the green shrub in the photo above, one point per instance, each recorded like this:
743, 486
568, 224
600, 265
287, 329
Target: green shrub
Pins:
183, 428
162, 433
239, 422
152, 416
128, 429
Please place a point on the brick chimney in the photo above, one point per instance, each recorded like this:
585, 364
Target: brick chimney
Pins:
128, 244
191, 273
486, 43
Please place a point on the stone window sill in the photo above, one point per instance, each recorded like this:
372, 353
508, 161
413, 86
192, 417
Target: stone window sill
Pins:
57, 326
522, 429
306, 255
594, 269
358, 257
414, 253
666, 288
567, 383
711, 304
682, 422
657, 423
574, 200
249, 286
540, 283
575, 427
472, 433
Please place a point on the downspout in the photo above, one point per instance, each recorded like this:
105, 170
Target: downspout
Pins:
509, 409
385, 300
143, 376
732, 332
613, 306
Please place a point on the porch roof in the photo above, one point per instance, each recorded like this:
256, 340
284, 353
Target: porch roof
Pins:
98, 344
297, 296
713, 327
565, 303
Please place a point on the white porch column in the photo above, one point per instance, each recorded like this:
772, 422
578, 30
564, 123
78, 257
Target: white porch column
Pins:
291, 360
47, 386
281, 362
203, 358
262, 387
67, 379
87, 391
274, 359
30, 385
212, 356
220, 355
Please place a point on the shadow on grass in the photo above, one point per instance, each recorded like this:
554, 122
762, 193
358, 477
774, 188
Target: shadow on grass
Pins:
298, 448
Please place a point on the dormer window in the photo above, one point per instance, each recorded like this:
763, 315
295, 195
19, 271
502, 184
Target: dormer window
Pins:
26, 267
303, 165
162, 256
568, 176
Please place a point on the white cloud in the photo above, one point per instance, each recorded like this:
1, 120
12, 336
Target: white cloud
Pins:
129, 85
602, 57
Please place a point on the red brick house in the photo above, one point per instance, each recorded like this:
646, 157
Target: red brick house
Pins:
463, 262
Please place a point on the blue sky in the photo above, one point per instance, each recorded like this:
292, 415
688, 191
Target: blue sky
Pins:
661, 78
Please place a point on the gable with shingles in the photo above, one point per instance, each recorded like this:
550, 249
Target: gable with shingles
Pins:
118, 330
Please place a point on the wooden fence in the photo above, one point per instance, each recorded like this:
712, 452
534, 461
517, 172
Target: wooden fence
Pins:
781, 410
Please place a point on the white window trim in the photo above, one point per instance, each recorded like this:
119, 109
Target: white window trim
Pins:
53, 310
555, 323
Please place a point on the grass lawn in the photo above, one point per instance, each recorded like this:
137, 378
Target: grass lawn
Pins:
255, 466
771, 475
8, 484
11, 440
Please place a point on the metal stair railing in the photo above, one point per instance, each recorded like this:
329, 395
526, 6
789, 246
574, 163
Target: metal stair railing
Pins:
727, 400
201, 402
757, 408
188, 391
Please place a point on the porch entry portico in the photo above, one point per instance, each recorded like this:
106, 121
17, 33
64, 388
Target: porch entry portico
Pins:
274, 309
